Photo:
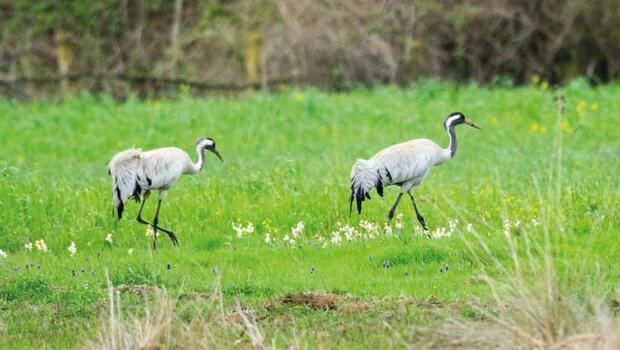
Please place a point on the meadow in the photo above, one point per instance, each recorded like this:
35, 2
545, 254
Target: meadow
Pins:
268, 255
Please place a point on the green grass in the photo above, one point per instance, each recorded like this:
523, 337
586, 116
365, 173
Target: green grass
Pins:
287, 159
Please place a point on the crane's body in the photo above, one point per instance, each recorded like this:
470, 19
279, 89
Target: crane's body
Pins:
162, 167
405, 164
136, 173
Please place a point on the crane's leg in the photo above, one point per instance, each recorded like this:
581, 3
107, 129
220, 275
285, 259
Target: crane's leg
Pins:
417, 212
139, 218
145, 195
171, 234
393, 210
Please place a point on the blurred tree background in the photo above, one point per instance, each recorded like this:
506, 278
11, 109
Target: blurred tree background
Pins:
150, 46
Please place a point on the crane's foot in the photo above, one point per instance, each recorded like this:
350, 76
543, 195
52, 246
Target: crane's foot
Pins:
173, 238
422, 223
170, 234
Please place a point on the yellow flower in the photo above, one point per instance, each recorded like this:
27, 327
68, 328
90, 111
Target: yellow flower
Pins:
544, 85
594, 106
581, 108
157, 106
535, 79
565, 127
535, 127
299, 97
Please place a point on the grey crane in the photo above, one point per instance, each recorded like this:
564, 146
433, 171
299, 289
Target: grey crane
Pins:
136, 173
405, 164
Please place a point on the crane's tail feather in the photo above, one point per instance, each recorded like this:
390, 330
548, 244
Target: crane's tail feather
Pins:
123, 169
364, 177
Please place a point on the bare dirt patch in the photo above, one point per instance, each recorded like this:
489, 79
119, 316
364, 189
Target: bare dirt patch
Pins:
138, 289
313, 300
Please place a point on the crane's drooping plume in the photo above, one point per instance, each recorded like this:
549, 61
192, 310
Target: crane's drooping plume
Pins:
124, 168
364, 177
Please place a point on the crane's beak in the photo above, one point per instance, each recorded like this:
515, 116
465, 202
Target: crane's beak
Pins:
472, 124
214, 151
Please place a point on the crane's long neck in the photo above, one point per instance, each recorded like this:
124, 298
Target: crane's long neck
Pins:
199, 165
453, 143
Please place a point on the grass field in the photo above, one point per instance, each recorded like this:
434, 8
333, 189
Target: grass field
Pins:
287, 158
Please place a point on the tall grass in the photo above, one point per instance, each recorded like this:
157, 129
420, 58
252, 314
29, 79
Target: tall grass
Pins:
532, 308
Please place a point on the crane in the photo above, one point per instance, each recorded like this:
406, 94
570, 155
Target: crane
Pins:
136, 173
405, 164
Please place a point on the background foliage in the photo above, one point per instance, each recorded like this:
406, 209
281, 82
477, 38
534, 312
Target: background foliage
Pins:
326, 43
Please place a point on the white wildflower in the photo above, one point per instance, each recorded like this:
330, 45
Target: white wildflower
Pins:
288, 239
72, 249
469, 228
440, 232
452, 223
535, 222
371, 229
507, 226
108, 238
399, 221
387, 229
336, 237
28, 246
149, 231
41, 246
267, 238
130, 251
240, 230
298, 229
3, 254
350, 233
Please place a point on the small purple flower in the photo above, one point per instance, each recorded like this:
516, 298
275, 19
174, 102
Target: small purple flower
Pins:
441, 270
386, 265
312, 269
38, 266
16, 268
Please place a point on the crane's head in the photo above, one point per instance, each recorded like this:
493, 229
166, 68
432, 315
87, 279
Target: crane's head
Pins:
456, 118
208, 144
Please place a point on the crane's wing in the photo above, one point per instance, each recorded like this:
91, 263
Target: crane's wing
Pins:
123, 169
405, 162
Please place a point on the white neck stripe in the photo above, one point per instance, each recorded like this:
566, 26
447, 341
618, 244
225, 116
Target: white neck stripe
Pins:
451, 119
